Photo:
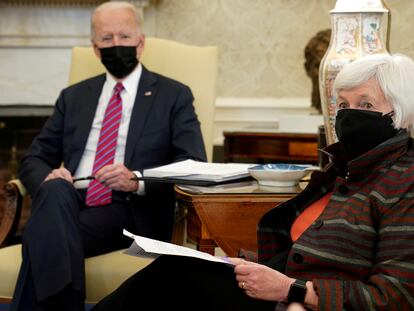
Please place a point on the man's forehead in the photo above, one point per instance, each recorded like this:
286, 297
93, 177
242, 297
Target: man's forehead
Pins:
114, 16
117, 27
116, 24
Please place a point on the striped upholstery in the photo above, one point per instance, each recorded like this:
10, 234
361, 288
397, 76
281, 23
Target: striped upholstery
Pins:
359, 253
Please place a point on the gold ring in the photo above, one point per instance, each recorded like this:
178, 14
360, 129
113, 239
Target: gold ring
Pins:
243, 283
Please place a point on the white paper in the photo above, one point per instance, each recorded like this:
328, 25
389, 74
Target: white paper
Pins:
196, 170
150, 248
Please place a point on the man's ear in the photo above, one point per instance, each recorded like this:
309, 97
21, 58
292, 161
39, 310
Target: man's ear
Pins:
96, 50
141, 46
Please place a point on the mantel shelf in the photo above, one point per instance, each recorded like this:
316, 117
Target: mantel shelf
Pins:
25, 110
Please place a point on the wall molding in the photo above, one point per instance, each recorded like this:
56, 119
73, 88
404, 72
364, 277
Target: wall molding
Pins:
52, 2
138, 3
231, 114
268, 114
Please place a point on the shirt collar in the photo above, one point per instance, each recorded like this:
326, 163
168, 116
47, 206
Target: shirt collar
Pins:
130, 82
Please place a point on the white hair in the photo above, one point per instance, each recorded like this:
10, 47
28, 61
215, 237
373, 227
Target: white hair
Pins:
113, 5
395, 75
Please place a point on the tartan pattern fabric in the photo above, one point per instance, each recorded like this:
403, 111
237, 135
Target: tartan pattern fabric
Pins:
97, 193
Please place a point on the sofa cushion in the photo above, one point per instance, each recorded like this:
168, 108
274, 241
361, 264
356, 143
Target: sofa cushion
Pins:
104, 273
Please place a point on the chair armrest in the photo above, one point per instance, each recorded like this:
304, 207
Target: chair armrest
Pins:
22, 190
12, 198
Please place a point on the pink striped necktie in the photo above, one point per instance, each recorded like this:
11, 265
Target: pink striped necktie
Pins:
97, 193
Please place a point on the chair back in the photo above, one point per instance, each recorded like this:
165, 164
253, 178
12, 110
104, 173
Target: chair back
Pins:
195, 66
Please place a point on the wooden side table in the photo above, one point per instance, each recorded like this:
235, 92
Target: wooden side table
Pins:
264, 147
227, 220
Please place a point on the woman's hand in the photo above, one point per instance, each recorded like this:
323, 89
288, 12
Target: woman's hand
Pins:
295, 307
260, 281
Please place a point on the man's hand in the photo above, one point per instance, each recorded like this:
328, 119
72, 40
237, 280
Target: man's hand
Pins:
60, 173
117, 177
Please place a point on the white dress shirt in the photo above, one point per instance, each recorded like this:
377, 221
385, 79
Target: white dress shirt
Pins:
128, 96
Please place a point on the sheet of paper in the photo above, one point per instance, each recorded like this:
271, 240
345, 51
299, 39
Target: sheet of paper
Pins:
149, 248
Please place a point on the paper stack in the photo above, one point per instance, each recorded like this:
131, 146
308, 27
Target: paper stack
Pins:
190, 170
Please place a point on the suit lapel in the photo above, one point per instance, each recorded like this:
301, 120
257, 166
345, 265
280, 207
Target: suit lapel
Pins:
142, 106
86, 114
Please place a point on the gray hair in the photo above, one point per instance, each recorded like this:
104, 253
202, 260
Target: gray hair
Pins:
395, 75
116, 5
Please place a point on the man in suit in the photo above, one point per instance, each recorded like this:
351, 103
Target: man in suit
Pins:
110, 127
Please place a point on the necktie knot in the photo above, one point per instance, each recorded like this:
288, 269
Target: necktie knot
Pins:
118, 88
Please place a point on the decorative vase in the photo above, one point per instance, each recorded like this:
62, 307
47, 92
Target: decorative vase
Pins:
359, 27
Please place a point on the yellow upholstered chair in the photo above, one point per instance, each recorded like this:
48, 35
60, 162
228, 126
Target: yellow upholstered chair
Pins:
192, 65
195, 66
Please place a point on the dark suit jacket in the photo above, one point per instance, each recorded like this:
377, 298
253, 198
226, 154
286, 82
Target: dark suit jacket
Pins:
163, 129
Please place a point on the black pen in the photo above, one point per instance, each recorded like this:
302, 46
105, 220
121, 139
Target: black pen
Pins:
83, 178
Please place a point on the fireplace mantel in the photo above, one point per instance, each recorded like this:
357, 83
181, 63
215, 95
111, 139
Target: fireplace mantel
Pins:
36, 38
26, 110
50, 23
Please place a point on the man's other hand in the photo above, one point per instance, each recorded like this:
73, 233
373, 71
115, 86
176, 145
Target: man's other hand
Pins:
117, 177
60, 173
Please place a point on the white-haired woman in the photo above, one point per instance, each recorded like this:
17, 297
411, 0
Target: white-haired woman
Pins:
344, 243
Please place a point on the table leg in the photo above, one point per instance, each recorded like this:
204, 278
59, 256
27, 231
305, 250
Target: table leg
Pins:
206, 246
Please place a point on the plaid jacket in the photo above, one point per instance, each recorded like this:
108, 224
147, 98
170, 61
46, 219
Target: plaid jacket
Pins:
359, 253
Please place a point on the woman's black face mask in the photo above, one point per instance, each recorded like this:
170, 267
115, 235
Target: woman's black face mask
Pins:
361, 130
119, 60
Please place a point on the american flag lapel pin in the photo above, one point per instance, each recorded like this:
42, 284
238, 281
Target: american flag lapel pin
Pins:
148, 93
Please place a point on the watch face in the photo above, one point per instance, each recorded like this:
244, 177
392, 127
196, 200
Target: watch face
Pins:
297, 291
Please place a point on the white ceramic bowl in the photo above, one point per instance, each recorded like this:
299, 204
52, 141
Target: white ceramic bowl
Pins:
280, 175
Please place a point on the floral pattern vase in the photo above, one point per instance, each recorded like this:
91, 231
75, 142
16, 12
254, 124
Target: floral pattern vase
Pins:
359, 27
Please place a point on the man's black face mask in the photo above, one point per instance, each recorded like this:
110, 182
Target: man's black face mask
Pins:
119, 60
361, 130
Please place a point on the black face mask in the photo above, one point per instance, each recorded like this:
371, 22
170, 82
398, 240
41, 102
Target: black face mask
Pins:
119, 60
361, 130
